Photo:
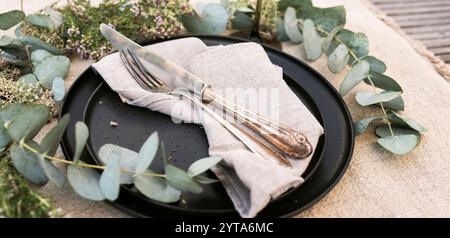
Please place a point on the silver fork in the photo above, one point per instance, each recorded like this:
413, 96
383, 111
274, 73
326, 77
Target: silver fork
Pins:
152, 83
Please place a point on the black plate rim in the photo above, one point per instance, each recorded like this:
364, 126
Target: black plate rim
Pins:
331, 88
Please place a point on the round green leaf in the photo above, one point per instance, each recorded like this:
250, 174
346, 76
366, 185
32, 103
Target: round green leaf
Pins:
399, 120
56, 17
4, 136
356, 42
338, 59
312, 40
396, 104
156, 188
354, 77
9, 112
213, 20
147, 153
383, 131
376, 65
52, 172
85, 182
281, 32
384, 82
399, 145
39, 55
246, 10
11, 18
202, 165
128, 159
110, 179
27, 163
241, 21
36, 43
291, 26
28, 79
40, 20
361, 125
12, 46
365, 99
329, 40
328, 18
50, 68
179, 179
81, 136
28, 123
50, 142
58, 89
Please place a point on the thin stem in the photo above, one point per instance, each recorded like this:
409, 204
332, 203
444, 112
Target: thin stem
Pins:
368, 78
28, 147
21, 5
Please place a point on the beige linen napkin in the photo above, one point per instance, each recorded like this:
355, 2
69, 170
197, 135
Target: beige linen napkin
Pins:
249, 181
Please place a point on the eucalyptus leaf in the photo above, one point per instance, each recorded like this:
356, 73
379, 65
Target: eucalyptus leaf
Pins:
356, 42
357, 74
58, 89
28, 79
39, 55
50, 142
27, 163
396, 104
156, 188
50, 68
14, 47
36, 43
241, 21
40, 20
361, 125
179, 179
399, 145
365, 99
10, 19
383, 131
15, 60
205, 180
128, 159
212, 20
28, 123
382, 81
147, 153
329, 39
329, 18
338, 59
399, 120
312, 41
202, 165
11, 111
52, 172
291, 26
85, 182
4, 136
376, 65
110, 179
56, 17
81, 136
281, 32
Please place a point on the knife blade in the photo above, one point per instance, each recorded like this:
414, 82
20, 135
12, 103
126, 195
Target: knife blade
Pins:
181, 77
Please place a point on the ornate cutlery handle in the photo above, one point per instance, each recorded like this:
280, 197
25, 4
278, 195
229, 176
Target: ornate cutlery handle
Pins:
286, 140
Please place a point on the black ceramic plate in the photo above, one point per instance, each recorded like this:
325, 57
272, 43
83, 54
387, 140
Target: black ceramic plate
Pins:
187, 142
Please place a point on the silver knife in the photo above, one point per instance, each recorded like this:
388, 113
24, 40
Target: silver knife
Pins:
185, 78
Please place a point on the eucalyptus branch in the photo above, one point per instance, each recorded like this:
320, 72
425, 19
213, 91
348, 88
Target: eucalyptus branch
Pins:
352, 53
28, 147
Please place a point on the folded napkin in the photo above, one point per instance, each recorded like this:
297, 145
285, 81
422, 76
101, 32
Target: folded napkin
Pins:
249, 181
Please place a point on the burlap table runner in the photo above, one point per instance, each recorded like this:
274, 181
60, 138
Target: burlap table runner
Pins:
376, 184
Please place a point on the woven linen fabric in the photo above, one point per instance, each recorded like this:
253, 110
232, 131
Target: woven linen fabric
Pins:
246, 70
